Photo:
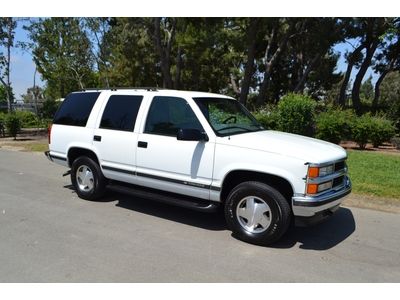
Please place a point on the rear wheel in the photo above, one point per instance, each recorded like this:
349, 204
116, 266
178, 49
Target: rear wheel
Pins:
257, 213
87, 178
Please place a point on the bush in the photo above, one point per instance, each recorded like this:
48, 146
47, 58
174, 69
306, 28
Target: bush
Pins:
333, 125
268, 118
382, 131
2, 123
361, 129
296, 114
13, 125
28, 119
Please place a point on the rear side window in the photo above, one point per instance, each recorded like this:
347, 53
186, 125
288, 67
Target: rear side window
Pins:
169, 114
121, 112
75, 109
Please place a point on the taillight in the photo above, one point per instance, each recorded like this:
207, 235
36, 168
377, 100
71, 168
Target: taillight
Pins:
49, 133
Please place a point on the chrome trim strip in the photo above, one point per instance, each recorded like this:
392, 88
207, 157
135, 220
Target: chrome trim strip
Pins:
189, 183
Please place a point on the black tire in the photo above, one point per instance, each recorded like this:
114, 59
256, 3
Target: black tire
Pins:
99, 181
279, 213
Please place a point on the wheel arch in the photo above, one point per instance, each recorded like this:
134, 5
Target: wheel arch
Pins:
75, 152
235, 177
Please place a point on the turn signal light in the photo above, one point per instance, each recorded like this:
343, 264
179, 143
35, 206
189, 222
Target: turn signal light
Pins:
312, 188
313, 172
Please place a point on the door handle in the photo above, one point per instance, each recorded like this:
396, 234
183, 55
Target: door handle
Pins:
97, 138
142, 144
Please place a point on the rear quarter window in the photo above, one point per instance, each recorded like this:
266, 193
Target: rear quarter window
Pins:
75, 109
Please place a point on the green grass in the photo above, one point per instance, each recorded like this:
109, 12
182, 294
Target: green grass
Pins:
376, 174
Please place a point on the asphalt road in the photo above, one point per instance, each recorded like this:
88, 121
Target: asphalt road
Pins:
48, 234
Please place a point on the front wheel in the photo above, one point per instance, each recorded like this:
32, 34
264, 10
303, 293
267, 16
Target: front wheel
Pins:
257, 213
87, 178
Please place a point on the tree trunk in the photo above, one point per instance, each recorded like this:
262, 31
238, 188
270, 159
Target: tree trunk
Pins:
377, 89
341, 98
270, 61
179, 62
164, 51
300, 85
249, 67
355, 94
9, 45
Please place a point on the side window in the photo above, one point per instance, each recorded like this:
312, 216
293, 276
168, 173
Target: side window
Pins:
169, 114
75, 109
120, 112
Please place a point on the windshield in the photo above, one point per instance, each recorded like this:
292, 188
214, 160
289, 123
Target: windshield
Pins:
227, 116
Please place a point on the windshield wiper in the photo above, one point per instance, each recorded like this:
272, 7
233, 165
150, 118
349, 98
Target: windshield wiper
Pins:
234, 127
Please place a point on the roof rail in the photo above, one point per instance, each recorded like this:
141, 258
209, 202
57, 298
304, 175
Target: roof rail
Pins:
148, 88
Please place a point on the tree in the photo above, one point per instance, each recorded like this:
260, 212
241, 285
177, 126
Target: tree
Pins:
390, 96
7, 32
61, 51
374, 29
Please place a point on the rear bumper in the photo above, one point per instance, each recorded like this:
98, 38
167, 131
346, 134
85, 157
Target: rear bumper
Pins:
308, 207
47, 153
56, 158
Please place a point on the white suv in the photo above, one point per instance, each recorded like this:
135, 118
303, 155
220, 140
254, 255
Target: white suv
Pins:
197, 150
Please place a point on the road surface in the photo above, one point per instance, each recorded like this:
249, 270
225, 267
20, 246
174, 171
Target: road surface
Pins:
48, 234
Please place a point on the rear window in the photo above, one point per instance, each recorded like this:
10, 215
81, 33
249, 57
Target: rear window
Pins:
121, 112
75, 109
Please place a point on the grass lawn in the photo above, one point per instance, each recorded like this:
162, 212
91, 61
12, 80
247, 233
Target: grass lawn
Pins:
375, 173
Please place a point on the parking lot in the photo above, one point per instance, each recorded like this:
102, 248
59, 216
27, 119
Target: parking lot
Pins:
48, 234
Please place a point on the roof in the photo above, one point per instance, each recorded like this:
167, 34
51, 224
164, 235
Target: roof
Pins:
167, 92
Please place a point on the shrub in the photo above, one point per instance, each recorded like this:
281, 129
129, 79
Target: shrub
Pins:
382, 131
361, 129
28, 119
333, 125
2, 123
296, 114
268, 118
13, 125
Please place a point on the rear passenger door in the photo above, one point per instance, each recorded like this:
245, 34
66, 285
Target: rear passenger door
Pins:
115, 136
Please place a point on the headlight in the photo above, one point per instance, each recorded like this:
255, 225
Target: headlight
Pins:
326, 170
314, 172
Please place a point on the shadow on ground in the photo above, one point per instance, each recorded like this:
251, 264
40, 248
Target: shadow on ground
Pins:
319, 237
322, 236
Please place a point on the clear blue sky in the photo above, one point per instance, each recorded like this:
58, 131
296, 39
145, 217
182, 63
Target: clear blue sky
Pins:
23, 67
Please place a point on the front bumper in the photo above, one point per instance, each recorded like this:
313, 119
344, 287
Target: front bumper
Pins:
307, 206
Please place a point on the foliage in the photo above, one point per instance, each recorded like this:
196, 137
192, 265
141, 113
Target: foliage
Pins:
361, 128
334, 124
62, 53
382, 131
296, 114
27, 119
49, 108
268, 117
390, 97
13, 124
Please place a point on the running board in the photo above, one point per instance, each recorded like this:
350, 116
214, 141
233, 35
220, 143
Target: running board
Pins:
164, 197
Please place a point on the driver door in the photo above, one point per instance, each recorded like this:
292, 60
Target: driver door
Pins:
165, 163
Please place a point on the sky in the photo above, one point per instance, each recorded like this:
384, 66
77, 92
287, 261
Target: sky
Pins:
23, 67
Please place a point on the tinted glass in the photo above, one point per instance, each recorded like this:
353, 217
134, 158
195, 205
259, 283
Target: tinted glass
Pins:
121, 112
75, 109
169, 114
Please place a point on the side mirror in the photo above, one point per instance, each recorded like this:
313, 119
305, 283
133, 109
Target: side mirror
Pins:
191, 135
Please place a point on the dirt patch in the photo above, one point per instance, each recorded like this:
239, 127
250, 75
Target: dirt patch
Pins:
27, 140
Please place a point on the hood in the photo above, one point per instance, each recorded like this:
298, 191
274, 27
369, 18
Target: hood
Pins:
287, 144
